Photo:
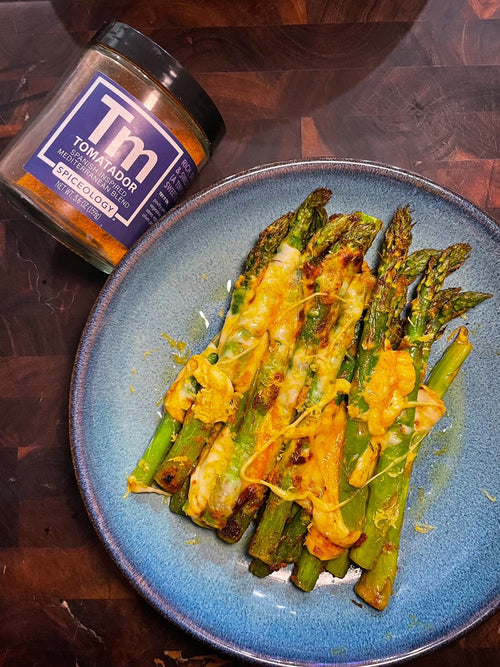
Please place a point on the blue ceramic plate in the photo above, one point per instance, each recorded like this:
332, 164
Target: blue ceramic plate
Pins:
173, 287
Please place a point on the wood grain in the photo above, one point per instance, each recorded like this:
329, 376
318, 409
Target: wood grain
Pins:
414, 84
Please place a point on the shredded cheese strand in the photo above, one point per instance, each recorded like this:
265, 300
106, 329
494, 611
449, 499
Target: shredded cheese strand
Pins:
230, 360
308, 495
282, 493
309, 298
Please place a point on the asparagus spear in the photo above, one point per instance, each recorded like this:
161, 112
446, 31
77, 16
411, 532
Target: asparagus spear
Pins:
259, 568
388, 296
289, 547
256, 443
416, 263
186, 386
177, 500
339, 566
160, 444
375, 585
382, 502
261, 253
271, 526
449, 304
307, 570
291, 542
263, 308
242, 341
278, 342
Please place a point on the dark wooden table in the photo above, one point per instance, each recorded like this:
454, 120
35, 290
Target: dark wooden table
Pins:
414, 84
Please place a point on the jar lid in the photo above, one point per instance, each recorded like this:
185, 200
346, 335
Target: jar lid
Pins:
168, 72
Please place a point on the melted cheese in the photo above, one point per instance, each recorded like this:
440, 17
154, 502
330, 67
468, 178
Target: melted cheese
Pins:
214, 401
430, 409
388, 514
386, 392
329, 358
262, 304
365, 465
243, 341
321, 475
231, 321
180, 396
351, 296
320, 546
243, 367
272, 291
271, 432
204, 478
315, 484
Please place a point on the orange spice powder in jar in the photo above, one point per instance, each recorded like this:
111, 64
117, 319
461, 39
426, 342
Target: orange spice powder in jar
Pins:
121, 138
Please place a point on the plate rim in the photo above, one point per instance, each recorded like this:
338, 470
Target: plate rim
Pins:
106, 293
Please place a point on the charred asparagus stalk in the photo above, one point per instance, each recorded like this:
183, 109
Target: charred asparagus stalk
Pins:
259, 440
382, 502
263, 412
375, 585
255, 303
279, 343
387, 301
183, 392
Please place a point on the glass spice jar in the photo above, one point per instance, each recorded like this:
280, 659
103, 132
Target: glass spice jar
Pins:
121, 138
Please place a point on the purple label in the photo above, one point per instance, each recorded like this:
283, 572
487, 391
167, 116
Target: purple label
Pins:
113, 160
